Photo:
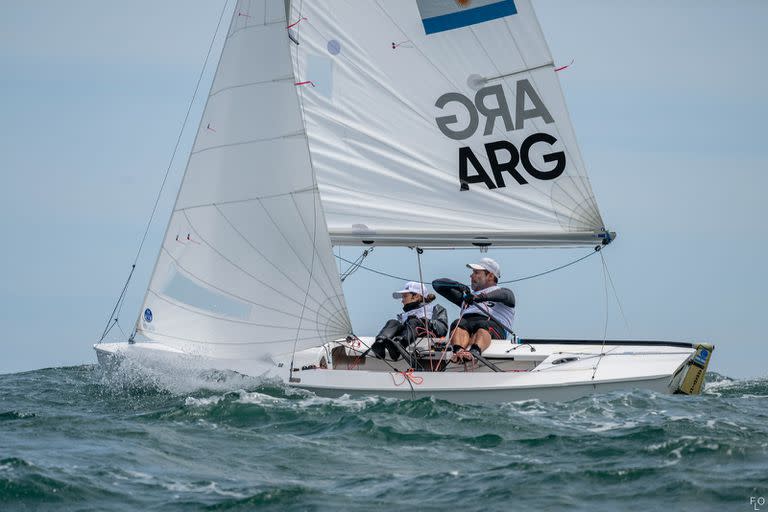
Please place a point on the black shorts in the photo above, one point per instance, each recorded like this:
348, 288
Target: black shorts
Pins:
474, 322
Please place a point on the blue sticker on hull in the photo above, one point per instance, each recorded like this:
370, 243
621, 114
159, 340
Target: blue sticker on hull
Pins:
701, 357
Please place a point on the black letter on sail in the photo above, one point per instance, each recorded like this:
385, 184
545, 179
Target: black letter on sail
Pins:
558, 157
497, 168
466, 154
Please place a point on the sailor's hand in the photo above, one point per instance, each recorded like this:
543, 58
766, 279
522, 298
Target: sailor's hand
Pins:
468, 298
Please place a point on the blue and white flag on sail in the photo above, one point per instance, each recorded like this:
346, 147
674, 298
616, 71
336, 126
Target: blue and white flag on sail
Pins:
442, 15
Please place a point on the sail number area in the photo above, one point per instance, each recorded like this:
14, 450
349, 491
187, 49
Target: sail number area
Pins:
503, 156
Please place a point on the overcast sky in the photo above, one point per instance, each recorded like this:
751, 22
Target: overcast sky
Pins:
669, 105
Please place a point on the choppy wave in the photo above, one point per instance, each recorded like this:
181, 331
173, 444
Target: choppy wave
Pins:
75, 437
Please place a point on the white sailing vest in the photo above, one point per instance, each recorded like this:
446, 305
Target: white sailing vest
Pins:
419, 312
504, 314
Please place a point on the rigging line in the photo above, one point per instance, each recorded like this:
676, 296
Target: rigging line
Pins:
120, 298
419, 251
598, 248
181, 132
605, 327
121, 329
335, 284
178, 142
368, 348
354, 266
332, 277
401, 278
495, 130
114, 321
309, 285
616, 295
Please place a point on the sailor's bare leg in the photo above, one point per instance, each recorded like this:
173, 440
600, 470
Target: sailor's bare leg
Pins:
482, 339
460, 337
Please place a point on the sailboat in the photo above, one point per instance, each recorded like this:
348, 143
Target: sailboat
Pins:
416, 123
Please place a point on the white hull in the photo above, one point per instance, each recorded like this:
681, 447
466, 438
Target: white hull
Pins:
549, 371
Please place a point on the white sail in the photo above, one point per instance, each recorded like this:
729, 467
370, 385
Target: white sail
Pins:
439, 122
246, 267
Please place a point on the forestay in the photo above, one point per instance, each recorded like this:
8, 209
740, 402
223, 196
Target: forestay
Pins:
246, 268
439, 122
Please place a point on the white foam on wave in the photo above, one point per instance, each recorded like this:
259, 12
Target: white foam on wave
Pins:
203, 402
529, 407
254, 397
297, 398
173, 486
210, 488
612, 425
178, 379
726, 382
345, 401
133, 476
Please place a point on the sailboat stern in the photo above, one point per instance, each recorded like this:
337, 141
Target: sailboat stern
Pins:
695, 370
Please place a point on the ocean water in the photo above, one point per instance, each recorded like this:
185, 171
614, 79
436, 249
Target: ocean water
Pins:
77, 439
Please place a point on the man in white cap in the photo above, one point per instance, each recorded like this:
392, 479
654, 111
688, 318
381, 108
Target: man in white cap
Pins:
486, 314
419, 318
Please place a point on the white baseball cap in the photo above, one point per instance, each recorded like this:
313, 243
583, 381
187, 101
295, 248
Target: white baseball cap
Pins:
487, 264
411, 287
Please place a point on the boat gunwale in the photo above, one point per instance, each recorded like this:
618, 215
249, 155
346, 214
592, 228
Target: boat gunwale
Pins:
650, 343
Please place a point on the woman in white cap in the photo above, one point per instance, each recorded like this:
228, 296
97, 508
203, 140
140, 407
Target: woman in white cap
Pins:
486, 314
419, 318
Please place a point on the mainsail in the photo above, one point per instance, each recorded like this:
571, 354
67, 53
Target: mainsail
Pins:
439, 122
246, 267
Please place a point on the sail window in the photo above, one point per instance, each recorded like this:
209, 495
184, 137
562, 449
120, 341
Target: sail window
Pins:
320, 73
184, 289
